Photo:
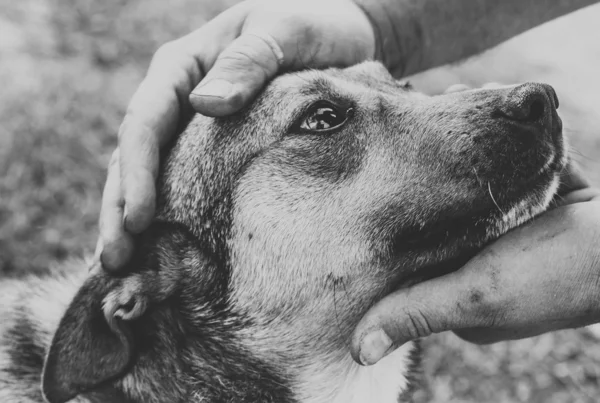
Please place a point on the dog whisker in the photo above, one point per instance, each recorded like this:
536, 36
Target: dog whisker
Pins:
494, 200
334, 280
478, 178
574, 151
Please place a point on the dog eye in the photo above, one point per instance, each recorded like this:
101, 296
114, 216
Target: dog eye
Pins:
323, 117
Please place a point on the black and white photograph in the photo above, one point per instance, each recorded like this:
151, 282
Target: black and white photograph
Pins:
299, 201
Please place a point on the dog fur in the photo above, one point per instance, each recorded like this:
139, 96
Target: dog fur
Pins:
272, 240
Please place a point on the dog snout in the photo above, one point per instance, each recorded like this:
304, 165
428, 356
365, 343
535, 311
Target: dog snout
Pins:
511, 133
531, 103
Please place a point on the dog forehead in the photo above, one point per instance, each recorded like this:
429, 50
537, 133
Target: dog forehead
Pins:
372, 75
363, 81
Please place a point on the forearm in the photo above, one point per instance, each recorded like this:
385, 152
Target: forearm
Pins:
414, 35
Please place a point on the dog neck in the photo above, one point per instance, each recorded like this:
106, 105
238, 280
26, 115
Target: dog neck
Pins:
319, 368
347, 382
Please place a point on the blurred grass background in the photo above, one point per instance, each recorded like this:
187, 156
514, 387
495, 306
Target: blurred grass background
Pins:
69, 67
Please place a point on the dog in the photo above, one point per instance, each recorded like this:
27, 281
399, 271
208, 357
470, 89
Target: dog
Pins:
277, 228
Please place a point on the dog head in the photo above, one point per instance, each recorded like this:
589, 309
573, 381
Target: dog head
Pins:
280, 226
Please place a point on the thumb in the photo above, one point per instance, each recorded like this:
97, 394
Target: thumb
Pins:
434, 306
239, 73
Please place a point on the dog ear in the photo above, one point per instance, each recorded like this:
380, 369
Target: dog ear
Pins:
95, 344
92, 346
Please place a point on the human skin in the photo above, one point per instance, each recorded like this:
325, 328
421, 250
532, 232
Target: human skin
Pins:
222, 66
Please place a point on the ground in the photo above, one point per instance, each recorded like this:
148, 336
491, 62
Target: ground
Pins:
68, 68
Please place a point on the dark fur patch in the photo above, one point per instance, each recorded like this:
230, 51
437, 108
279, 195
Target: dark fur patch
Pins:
415, 375
189, 339
108, 394
26, 354
332, 157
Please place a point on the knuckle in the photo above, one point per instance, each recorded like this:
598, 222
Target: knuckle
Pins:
176, 58
246, 55
417, 324
236, 58
167, 51
110, 231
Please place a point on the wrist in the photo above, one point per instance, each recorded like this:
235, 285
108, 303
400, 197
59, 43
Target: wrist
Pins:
366, 30
398, 35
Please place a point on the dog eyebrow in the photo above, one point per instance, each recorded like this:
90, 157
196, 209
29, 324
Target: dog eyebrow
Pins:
320, 86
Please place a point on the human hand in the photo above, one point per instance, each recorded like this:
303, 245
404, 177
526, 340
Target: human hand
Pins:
216, 70
541, 277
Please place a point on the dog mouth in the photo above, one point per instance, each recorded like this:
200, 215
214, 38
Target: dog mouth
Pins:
554, 163
542, 178
444, 246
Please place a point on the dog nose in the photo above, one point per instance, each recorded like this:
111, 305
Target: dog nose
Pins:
530, 103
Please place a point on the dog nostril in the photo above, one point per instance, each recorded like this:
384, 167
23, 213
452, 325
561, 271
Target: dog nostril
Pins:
536, 111
529, 103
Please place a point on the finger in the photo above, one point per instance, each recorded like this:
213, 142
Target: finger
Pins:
139, 170
239, 73
580, 196
407, 314
572, 178
117, 245
160, 104
494, 86
151, 121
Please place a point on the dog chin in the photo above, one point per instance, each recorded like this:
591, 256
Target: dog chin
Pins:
540, 191
529, 206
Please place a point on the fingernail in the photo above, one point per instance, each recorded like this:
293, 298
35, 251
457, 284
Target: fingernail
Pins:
111, 256
374, 347
214, 88
106, 261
